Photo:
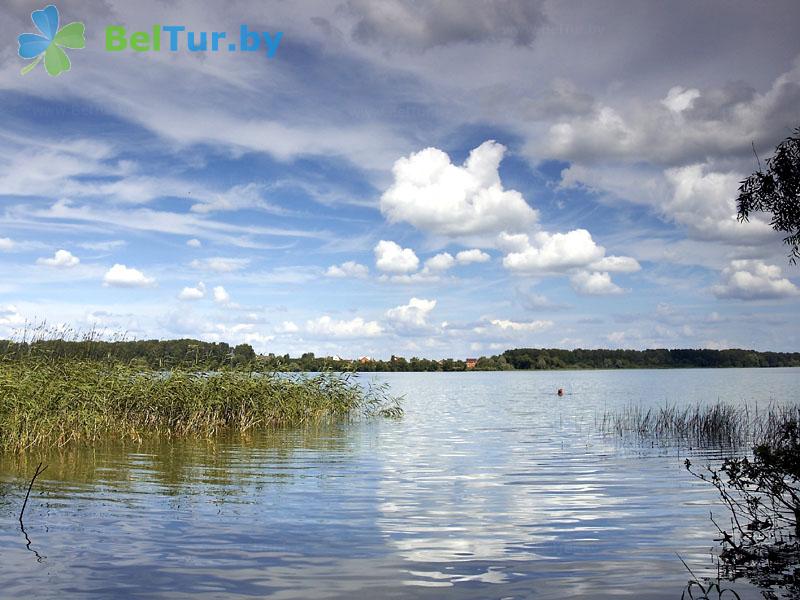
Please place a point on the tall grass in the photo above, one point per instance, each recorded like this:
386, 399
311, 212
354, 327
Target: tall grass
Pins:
54, 401
704, 424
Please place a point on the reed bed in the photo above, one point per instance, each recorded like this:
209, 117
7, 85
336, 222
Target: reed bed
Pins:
703, 424
47, 401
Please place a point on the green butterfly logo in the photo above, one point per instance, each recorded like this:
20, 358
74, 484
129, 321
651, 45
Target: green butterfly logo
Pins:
51, 43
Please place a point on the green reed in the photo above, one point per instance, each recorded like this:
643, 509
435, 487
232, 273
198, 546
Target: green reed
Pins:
702, 423
55, 401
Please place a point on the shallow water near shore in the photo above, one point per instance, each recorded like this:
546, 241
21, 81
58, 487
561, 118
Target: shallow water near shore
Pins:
490, 486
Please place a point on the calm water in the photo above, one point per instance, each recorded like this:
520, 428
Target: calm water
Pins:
489, 487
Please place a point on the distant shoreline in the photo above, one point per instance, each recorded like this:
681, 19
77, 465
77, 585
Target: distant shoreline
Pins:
200, 355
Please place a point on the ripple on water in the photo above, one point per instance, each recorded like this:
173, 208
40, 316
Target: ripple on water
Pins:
488, 487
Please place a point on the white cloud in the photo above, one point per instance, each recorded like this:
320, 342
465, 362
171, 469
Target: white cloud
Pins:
695, 197
414, 313
193, 293
753, 280
424, 276
62, 259
616, 264
194, 243
238, 197
679, 99
390, 257
6, 244
507, 325
440, 262
594, 283
517, 242
475, 255
555, 253
221, 296
122, 276
348, 269
106, 246
436, 196
355, 328
220, 264
704, 202
287, 327
508, 330
686, 127
10, 315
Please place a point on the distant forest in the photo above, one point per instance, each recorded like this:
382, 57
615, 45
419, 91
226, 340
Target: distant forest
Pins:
190, 353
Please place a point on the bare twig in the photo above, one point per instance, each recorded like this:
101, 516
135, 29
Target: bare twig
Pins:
753, 144
39, 471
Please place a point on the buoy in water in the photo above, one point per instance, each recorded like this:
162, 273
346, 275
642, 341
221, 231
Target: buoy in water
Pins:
560, 391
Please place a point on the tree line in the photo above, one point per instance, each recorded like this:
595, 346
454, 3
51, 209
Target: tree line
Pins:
189, 353
154, 354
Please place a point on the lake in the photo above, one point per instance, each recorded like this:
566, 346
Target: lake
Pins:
490, 486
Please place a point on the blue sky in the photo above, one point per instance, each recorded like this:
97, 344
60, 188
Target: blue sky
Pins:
447, 179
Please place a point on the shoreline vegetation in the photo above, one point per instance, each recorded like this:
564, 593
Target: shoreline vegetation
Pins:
195, 355
51, 399
756, 476
702, 425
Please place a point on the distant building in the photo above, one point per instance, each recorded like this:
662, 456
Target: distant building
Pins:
471, 363
364, 360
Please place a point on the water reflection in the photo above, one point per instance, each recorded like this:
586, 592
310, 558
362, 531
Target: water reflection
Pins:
489, 487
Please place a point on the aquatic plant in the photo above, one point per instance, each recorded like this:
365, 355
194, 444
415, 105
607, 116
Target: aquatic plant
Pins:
761, 492
701, 424
46, 401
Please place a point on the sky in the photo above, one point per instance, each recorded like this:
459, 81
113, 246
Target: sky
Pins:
449, 178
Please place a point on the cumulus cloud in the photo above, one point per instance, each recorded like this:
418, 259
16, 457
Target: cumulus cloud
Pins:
445, 261
220, 265
194, 243
413, 314
436, 196
355, 328
475, 255
506, 329
753, 280
555, 252
517, 242
440, 262
685, 127
507, 325
679, 99
594, 283
62, 259
126, 277
695, 197
704, 202
10, 315
348, 269
193, 293
409, 26
6, 244
221, 296
287, 327
616, 264
390, 257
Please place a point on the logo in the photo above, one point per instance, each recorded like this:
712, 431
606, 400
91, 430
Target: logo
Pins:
178, 38
51, 43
